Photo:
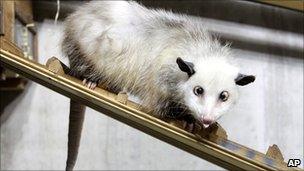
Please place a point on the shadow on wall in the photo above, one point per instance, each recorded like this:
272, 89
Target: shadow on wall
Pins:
11, 137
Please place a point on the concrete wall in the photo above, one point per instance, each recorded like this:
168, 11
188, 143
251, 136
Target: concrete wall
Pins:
34, 136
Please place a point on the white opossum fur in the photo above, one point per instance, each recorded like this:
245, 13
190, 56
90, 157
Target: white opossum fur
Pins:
159, 56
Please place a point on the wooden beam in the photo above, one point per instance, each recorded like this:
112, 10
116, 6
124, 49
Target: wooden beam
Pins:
224, 153
8, 17
246, 12
290, 4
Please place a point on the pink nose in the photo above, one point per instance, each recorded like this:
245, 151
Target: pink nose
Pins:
207, 120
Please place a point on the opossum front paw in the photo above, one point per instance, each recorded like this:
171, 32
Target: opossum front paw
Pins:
188, 122
89, 84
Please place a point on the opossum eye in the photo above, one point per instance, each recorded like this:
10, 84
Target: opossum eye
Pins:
224, 96
198, 90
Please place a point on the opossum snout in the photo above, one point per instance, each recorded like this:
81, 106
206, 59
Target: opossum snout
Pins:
207, 120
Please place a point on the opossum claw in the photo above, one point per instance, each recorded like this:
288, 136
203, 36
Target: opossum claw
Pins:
89, 84
189, 127
93, 86
84, 81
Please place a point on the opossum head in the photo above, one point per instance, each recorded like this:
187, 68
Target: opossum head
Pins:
210, 88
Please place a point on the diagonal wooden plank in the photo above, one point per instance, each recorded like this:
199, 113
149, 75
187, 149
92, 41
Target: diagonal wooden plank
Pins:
224, 153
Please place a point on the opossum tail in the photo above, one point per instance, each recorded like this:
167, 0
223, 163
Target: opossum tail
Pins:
77, 111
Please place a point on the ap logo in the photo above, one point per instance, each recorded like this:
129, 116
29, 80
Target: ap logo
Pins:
293, 162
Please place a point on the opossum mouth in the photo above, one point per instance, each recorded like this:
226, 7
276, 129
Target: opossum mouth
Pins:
206, 122
206, 125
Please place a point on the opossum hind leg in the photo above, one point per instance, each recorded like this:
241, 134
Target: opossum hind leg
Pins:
90, 83
93, 83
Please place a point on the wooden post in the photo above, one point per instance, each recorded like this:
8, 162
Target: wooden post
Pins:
275, 153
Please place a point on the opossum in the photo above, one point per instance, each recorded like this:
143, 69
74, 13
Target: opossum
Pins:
170, 61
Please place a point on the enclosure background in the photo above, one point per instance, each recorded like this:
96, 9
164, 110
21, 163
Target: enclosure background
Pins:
270, 111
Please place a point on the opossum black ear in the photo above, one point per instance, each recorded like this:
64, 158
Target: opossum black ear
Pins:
242, 79
185, 66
